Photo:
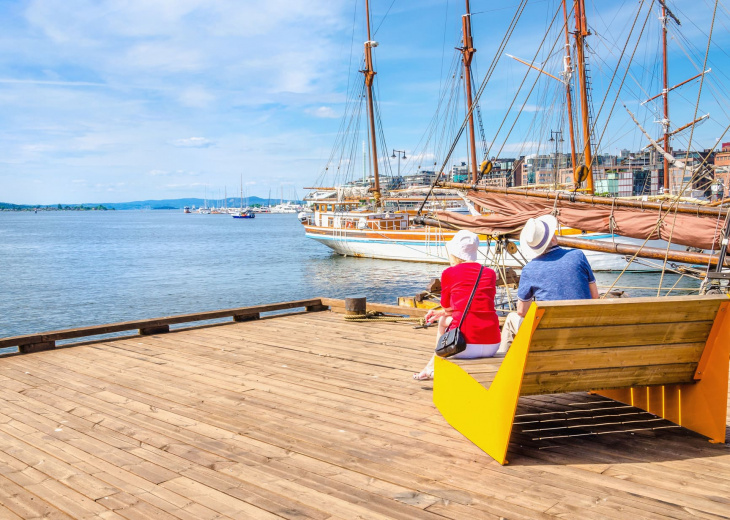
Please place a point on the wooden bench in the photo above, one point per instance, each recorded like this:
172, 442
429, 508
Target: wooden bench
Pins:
668, 356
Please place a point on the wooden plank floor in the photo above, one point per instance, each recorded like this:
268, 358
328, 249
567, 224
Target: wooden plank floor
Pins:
309, 416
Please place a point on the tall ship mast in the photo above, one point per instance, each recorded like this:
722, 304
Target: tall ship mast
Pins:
369, 73
467, 53
581, 31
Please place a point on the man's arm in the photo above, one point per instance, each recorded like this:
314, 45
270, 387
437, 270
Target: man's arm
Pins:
523, 307
594, 290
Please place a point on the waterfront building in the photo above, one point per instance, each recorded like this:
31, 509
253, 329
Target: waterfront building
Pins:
722, 172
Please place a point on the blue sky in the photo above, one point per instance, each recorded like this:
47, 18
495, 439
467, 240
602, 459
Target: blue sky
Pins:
119, 100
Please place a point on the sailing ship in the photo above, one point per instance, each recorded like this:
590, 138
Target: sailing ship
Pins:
372, 231
381, 229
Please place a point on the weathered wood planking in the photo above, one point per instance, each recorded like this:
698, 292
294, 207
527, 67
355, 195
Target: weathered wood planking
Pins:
662, 333
629, 312
615, 344
309, 416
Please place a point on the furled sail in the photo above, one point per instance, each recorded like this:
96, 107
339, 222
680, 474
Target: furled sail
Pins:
510, 212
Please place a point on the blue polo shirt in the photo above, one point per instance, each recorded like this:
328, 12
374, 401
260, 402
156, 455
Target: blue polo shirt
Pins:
557, 274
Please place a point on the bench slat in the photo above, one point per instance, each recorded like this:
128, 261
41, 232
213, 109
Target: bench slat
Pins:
619, 335
619, 358
605, 378
622, 312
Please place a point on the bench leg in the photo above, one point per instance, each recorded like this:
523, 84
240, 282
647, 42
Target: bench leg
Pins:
485, 416
700, 406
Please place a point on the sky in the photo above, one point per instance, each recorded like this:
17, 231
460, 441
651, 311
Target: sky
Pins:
121, 100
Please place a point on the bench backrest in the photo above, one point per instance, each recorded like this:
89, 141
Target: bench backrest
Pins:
619, 343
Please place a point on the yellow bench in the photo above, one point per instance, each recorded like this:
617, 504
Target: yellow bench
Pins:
668, 356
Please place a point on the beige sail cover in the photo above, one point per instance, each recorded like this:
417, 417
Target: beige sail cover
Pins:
512, 211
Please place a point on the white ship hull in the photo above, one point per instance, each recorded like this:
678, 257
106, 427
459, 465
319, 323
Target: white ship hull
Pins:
422, 246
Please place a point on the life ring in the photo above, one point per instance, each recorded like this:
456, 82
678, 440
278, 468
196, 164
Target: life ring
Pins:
349, 224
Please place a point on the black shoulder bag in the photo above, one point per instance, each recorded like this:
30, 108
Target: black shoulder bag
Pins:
452, 341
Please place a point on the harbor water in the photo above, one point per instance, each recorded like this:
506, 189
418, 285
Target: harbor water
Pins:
71, 269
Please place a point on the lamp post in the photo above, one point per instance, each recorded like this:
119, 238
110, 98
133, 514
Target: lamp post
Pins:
557, 136
399, 158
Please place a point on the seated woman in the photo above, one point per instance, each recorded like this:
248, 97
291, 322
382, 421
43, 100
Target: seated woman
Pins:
481, 325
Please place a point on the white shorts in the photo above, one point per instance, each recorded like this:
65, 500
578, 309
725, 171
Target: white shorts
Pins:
478, 350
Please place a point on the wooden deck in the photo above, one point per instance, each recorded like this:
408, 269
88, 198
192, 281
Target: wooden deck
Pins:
309, 416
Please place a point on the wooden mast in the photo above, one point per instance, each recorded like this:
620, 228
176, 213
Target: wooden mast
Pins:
467, 52
568, 97
369, 77
581, 31
665, 98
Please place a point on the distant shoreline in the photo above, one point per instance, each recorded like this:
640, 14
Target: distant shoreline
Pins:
163, 204
12, 207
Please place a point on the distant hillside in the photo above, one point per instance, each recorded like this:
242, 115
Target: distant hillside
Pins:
180, 203
231, 202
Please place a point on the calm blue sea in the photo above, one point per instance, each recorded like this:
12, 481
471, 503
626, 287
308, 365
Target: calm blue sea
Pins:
70, 269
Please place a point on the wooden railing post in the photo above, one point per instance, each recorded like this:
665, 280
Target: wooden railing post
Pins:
37, 347
316, 308
246, 317
160, 329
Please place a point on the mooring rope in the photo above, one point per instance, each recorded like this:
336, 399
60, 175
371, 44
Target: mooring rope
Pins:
379, 316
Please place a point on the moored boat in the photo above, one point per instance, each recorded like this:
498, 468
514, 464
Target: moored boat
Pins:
246, 213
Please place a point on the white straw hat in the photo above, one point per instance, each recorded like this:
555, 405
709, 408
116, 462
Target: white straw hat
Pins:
537, 233
464, 245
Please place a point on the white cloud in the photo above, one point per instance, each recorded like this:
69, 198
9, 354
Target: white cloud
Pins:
325, 112
164, 57
53, 83
196, 97
157, 173
192, 142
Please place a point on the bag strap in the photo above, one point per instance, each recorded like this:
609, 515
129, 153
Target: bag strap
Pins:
473, 292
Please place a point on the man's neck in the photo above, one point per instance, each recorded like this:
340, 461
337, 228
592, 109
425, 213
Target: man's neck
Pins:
550, 249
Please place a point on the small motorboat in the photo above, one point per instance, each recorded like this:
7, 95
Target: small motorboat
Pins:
245, 214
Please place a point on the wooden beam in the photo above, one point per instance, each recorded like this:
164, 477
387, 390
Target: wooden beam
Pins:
339, 307
152, 324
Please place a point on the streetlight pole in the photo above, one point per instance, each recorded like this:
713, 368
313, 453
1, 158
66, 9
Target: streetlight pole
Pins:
399, 158
557, 136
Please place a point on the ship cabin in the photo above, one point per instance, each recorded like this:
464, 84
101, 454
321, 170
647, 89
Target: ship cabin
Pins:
350, 215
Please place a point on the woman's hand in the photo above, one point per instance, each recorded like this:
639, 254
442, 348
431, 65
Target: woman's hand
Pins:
433, 315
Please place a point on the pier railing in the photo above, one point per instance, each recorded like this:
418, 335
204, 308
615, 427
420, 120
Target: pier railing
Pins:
30, 343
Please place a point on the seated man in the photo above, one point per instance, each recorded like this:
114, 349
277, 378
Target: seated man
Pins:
554, 274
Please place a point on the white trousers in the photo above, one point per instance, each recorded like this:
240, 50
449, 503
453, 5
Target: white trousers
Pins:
509, 331
478, 350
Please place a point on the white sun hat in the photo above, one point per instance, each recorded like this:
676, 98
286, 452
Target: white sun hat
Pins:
464, 245
536, 235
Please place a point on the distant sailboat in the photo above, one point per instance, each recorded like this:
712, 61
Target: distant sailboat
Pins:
244, 212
